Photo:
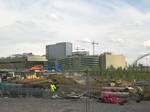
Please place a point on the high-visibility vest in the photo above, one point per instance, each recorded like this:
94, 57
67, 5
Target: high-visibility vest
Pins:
52, 87
139, 90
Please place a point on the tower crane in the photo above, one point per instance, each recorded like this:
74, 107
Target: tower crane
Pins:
92, 42
77, 49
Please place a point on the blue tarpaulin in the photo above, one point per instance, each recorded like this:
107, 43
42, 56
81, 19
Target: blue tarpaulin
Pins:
58, 68
48, 68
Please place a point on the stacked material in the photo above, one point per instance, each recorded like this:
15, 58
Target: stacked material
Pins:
116, 91
114, 95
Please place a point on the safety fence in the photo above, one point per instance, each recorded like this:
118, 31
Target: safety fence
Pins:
19, 91
83, 87
77, 98
75, 87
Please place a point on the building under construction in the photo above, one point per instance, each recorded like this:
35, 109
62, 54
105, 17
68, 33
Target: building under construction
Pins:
79, 61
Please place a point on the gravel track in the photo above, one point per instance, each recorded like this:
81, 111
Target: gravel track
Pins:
63, 105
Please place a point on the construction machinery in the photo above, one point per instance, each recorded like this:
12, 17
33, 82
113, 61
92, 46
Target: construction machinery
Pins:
92, 42
36, 68
78, 49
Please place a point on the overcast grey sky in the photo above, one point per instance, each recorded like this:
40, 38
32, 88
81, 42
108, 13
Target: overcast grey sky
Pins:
120, 26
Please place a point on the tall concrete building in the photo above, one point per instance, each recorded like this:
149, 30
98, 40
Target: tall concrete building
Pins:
58, 50
108, 59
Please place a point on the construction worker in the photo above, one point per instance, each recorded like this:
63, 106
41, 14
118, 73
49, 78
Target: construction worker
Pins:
113, 83
140, 93
136, 91
56, 84
53, 89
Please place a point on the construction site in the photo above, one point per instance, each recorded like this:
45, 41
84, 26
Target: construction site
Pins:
82, 83
78, 91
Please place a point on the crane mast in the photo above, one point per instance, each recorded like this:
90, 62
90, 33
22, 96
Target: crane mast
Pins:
93, 44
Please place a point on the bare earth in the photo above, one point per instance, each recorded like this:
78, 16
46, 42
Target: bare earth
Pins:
63, 105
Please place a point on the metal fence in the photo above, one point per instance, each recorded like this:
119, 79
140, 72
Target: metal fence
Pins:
80, 86
24, 92
78, 89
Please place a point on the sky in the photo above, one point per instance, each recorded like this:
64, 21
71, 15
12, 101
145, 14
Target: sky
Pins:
119, 26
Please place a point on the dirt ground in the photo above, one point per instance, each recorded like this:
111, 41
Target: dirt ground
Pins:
63, 105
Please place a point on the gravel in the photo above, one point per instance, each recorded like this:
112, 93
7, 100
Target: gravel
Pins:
69, 105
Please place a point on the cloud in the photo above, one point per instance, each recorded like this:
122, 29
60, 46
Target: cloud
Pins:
117, 40
81, 7
118, 26
147, 44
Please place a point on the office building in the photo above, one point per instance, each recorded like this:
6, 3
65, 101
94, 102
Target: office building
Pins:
22, 62
58, 50
108, 59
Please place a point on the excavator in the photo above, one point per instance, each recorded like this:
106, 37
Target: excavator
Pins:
36, 68
41, 68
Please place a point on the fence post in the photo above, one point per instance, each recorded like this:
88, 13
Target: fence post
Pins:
87, 106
